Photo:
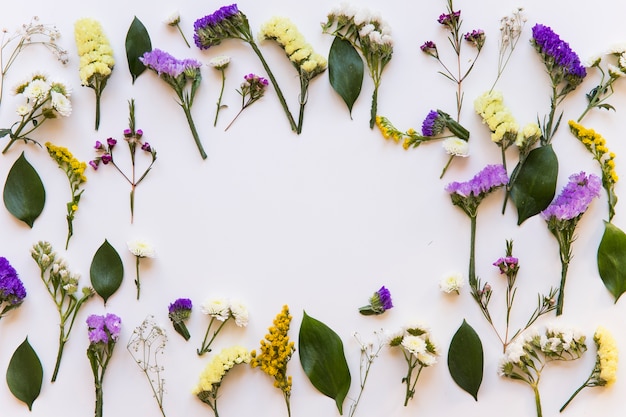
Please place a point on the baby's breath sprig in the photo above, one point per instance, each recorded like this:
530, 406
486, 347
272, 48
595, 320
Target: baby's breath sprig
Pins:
511, 27
369, 353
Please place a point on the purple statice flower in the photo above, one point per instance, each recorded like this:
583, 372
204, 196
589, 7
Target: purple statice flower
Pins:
113, 325
380, 302
207, 29
103, 329
181, 305
12, 289
178, 312
574, 198
430, 48
476, 37
450, 19
507, 264
163, 63
550, 45
487, 180
433, 124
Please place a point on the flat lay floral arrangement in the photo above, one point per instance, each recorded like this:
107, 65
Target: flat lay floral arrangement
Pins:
297, 237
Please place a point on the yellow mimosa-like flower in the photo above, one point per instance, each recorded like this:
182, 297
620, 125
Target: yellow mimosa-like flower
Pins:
607, 355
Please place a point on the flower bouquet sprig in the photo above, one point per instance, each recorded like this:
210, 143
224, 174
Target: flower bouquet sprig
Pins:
213, 374
12, 291
370, 35
511, 27
173, 20
103, 332
369, 353
307, 62
133, 138
526, 358
45, 99
228, 22
419, 350
379, 302
140, 249
29, 34
62, 285
251, 90
75, 172
146, 345
604, 371
562, 216
96, 58
178, 312
274, 355
221, 310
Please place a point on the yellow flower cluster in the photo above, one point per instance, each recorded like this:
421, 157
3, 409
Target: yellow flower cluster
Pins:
607, 355
596, 144
276, 350
388, 130
300, 53
74, 168
94, 50
490, 107
214, 372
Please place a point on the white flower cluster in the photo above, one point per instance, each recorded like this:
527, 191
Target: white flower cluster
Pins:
511, 27
141, 248
416, 340
31, 34
370, 26
39, 91
223, 309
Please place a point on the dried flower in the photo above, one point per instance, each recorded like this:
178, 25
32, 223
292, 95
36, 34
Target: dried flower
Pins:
451, 282
369, 353
140, 249
220, 63
511, 27
103, 333
251, 90
379, 303
174, 20
12, 291
178, 312
222, 310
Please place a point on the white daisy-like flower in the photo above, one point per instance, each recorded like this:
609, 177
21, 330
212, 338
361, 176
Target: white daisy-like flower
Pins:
218, 308
615, 71
141, 248
173, 18
592, 60
220, 62
456, 146
37, 90
427, 359
240, 313
622, 60
362, 16
61, 104
416, 345
451, 282
617, 48
23, 110
393, 335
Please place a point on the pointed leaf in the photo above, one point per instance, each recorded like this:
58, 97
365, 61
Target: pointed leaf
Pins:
345, 70
323, 359
24, 194
612, 259
25, 374
534, 188
137, 43
465, 359
106, 271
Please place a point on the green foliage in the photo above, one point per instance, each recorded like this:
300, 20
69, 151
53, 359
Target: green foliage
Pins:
612, 259
137, 43
25, 374
345, 70
24, 194
465, 359
107, 271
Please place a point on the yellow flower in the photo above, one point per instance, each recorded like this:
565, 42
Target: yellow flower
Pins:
596, 144
212, 375
607, 355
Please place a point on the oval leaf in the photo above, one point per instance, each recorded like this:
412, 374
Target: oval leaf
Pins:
323, 359
465, 359
345, 70
137, 43
24, 194
25, 374
106, 271
534, 188
612, 259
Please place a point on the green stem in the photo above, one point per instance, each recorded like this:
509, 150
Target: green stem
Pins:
574, 394
183, 35
472, 259
137, 282
445, 168
194, 132
219, 101
62, 341
559, 302
99, 399
287, 402
98, 94
537, 400
374, 108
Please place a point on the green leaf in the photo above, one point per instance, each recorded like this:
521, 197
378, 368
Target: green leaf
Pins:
106, 271
24, 194
137, 43
323, 360
612, 259
465, 359
345, 70
534, 188
4, 132
25, 374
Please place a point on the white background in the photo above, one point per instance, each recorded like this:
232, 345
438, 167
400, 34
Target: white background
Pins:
317, 221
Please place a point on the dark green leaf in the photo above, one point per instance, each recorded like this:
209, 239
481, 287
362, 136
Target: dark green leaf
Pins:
323, 360
25, 374
137, 43
345, 70
4, 132
465, 359
24, 195
106, 271
606, 106
612, 259
534, 188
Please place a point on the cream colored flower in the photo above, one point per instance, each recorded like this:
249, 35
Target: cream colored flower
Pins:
217, 307
61, 104
455, 146
220, 62
416, 345
240, 313
141, 248
173, 18
451, 282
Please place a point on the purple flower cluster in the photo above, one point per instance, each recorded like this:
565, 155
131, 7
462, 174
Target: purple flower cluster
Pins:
179, 311
450, 19
208, 22
550, 44
574, 198
12, 290
507, 264
163, 63
430, 48
181, 305
476, 37
103, 329
382, 299
433, 124
488, 179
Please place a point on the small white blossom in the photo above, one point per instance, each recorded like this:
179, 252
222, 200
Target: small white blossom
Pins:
452, 282
173, 18
615, 71
220, 62
427, 359
218, 308
240, 313
141, 248
617, 48
24, 109
416, 345
365, 30
37, 90
363, 16
455, 146
61, 104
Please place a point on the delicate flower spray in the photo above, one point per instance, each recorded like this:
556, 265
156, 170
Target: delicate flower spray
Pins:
29, 34
96, 58
369, 353
604, 371
251, 90
222, 310
178, 312
526, 358
45, 99
140, 249
211, 377
146, 346
307, 62
275, 353
62, 285
562, 216
419, 351
12, 291
133, 137
177, 74
75, 172
103, 333
370, 35
228, 22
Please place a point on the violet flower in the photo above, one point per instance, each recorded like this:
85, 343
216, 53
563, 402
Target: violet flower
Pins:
12, 291
103, 331
562, 216
380, 302
178, 312
251, 90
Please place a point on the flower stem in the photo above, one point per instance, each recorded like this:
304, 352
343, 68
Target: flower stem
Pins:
98, 94
194, 132
6, 148
99, 399
62, 341
559, 302
374, 108
472, 259
537, 400
233, 121
445, 168
219, 101
575, 394
137, 282
183, 35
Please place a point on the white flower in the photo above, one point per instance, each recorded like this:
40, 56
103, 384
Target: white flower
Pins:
618, 48
24, 110
362, 16
592, 60
173, 18
416, 345
141, 248
218, 308
456, 146
365, 30
61, 104
515, 351
389, 336
427, 359
451, 282
615, 71
240, 313
622, 60
220, 62
375, 37
37, 90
